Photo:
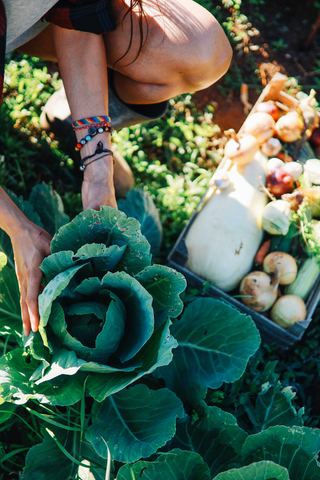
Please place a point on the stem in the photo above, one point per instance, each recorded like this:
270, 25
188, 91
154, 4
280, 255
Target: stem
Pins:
314, 29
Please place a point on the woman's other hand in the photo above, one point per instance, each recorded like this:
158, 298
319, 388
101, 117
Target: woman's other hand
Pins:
30, 247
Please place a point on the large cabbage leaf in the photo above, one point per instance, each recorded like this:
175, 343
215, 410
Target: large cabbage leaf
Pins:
264, 470
215, 344
216, 436
295, 448
175, 465
134, 423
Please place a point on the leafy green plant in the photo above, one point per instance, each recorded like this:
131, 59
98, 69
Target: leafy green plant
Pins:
279, 45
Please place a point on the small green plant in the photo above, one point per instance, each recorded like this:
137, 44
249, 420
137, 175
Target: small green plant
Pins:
279, 45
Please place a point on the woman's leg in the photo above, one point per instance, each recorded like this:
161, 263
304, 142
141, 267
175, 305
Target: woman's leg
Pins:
185, 50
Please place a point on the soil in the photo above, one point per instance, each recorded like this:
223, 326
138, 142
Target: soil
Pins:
285, 44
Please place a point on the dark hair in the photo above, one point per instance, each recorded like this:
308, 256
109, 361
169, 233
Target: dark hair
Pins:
141, 18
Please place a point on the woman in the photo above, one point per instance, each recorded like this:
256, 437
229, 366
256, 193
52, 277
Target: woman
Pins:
156, 48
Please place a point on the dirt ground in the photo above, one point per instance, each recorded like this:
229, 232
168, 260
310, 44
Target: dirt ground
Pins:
286, 43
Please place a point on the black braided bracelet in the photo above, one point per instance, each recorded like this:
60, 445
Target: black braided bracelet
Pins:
83, 167
99, 150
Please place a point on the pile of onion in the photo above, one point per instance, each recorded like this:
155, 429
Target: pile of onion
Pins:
269, 107
241, 149
289, 127
260, 125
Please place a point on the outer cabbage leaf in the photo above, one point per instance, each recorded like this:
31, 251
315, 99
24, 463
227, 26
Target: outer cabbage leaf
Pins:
294, 448
257, 471
52, 290
165, 285
102, 259
6, 411
216, 436
273, 406
10, 313
215, 344
48, 205
47, 460
138, 204
16, 370
57, 458
134, 423
108, 227
175, 465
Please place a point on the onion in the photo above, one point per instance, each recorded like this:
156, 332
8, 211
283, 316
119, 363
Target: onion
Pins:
294, 169
269, 107
241, 149
273, 164
289, 127
260, 290
260, 125
271, 147
312, 169
279, 182
288, 310
295, 199
287, 264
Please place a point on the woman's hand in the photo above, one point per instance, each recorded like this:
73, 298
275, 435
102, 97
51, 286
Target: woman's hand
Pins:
30, 247
97, 185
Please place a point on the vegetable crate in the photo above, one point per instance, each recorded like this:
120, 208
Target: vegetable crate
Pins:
178, 257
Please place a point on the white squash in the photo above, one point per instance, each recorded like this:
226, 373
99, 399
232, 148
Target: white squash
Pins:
226, 234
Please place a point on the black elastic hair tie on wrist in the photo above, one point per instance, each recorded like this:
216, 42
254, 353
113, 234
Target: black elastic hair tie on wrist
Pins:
99, 150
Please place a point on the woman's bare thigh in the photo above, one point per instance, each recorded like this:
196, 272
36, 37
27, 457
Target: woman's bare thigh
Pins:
172, 33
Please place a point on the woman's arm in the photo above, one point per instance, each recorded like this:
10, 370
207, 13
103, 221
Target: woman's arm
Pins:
31, 244
83, 67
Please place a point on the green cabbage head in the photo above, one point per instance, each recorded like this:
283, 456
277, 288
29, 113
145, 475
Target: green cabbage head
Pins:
105, 311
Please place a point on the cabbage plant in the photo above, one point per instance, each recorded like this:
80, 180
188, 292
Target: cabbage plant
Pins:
104, 313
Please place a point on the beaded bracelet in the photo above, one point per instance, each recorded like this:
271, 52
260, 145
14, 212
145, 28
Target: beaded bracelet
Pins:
99, 150
90, 121
92, 132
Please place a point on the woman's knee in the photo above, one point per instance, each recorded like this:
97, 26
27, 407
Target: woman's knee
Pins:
208, 54
185, 50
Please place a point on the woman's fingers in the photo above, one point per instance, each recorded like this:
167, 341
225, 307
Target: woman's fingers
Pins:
25, 313
34, 283
30, 247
